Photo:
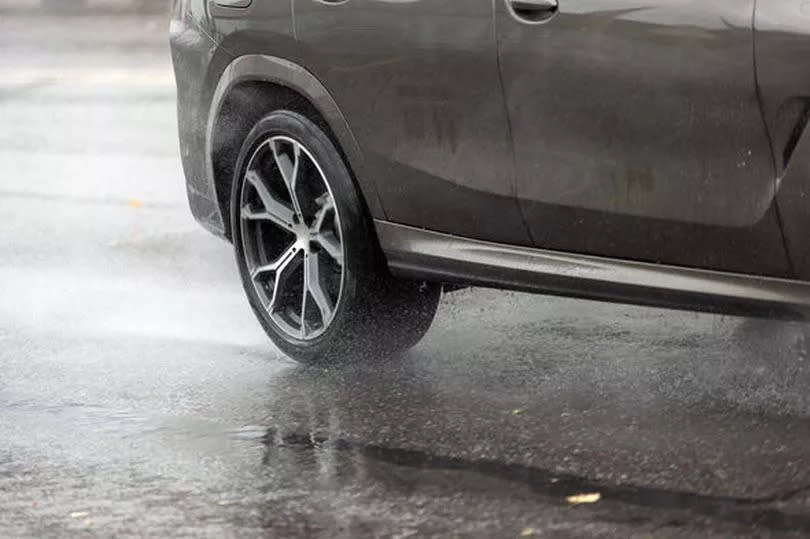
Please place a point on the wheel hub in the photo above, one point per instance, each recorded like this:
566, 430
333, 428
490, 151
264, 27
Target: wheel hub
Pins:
291, 237
303, 236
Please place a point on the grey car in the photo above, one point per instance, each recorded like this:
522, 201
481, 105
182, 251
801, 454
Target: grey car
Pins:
363, 155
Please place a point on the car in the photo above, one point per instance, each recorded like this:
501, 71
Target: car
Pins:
364, 155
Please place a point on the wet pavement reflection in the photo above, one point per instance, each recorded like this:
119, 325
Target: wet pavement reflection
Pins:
335, 424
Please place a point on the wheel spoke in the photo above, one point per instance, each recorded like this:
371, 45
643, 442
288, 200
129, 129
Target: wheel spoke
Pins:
274, 210
305, 295
331, 245
313, 284
277, 264
283, 272
320, 216
289, 171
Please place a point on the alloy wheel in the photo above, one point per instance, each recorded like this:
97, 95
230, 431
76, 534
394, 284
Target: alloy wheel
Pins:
291, 237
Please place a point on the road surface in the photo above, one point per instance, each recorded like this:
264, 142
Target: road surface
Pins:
139, 397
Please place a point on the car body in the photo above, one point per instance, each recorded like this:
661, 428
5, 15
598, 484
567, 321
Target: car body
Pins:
648, 152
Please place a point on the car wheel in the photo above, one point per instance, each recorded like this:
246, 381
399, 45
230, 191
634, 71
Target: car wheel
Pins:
307, 253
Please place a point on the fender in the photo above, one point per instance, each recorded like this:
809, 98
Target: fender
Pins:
256, 67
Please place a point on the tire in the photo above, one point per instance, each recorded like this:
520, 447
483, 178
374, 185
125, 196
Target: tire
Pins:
372, 315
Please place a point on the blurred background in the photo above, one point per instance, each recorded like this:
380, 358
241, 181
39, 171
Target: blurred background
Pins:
85, 6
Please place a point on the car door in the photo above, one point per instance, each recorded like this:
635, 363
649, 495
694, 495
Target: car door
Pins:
418, 83
783, 72
638, 133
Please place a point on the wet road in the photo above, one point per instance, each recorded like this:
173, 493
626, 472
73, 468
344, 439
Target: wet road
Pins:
138, 396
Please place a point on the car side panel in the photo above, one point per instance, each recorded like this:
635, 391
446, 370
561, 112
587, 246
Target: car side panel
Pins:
794, 207
264, 27
198, 62
638, 133
216, 48
419, 85
783, 72
283, 72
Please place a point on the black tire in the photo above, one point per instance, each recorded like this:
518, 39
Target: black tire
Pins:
376, 316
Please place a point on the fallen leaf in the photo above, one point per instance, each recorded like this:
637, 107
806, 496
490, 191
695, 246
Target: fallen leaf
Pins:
79, 514
527, 532
576, 499
518, 411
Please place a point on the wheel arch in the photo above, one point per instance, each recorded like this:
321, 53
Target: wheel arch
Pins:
254, 85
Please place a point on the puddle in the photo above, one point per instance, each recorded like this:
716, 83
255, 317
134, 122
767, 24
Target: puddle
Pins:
550, 485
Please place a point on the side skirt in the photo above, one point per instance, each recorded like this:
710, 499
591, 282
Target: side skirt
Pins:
433, 256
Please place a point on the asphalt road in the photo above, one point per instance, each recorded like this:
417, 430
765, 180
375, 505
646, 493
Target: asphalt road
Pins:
138, 396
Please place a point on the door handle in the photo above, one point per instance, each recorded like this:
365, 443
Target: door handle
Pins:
233, 3
533, 11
